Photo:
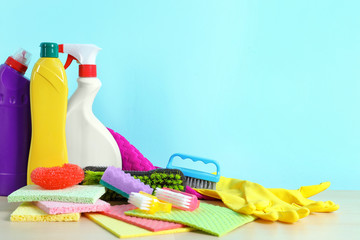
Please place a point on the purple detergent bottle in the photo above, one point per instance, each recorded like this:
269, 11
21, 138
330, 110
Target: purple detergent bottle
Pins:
15, 122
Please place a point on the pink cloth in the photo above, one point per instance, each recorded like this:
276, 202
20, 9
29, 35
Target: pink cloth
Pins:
118, 212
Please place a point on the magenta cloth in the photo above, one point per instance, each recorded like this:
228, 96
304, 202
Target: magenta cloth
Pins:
118, 212
133, 160
199, 195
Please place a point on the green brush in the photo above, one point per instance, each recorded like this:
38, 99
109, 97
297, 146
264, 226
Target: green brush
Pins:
158, 178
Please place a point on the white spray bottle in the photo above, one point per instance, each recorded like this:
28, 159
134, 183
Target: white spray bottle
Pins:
88, 141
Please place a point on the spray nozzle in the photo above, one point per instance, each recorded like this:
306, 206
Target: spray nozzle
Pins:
84, 54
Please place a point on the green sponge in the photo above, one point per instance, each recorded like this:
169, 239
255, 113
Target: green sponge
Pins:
158, 178
75, 194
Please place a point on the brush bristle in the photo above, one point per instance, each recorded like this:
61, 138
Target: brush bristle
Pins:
160, 180
140, 201
177, 199
199, 183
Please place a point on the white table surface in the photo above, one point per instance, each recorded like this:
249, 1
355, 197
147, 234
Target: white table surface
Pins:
343, 224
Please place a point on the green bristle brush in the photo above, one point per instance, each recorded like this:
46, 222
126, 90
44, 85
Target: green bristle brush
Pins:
158, 178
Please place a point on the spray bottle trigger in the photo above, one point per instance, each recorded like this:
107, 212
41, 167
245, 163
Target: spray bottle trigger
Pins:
69, 60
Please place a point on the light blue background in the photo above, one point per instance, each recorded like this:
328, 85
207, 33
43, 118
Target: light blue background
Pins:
270, 89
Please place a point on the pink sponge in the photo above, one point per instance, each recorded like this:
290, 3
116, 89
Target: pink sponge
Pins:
149, 224
57, 177
66, 207
132, 159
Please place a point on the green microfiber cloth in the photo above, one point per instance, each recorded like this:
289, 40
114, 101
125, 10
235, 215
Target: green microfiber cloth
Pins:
209, 218
170, 178
75, 194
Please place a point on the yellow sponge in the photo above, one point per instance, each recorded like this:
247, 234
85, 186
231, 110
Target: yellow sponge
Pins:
27, 212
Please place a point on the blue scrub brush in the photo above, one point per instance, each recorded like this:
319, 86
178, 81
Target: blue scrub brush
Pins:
195, 178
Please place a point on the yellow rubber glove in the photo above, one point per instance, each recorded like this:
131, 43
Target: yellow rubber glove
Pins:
300, 197
251, 198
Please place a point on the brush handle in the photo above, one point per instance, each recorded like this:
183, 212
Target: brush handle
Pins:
195, 173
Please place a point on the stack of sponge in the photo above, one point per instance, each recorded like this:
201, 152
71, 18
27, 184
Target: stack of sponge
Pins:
62, 205
54, 201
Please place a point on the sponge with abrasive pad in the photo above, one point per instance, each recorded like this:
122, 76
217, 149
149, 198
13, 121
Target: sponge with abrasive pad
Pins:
57, 177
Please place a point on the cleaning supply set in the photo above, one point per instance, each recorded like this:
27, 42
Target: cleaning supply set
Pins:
65, 132
15, 123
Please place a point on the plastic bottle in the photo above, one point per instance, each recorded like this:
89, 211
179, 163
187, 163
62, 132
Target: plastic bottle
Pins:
48, 101
89, 142
15, 123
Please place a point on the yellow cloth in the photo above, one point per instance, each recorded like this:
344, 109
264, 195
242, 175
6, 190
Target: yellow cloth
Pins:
273, 204
126, 230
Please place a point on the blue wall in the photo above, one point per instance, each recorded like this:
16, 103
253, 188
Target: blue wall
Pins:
270, 89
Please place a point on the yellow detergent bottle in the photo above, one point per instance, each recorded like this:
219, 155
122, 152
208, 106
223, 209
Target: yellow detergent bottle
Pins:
48, 103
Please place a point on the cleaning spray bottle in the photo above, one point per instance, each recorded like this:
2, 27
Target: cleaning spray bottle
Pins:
15, 123
48, 102
88, 140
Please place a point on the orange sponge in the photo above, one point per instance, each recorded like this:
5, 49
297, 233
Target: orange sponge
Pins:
57, 177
